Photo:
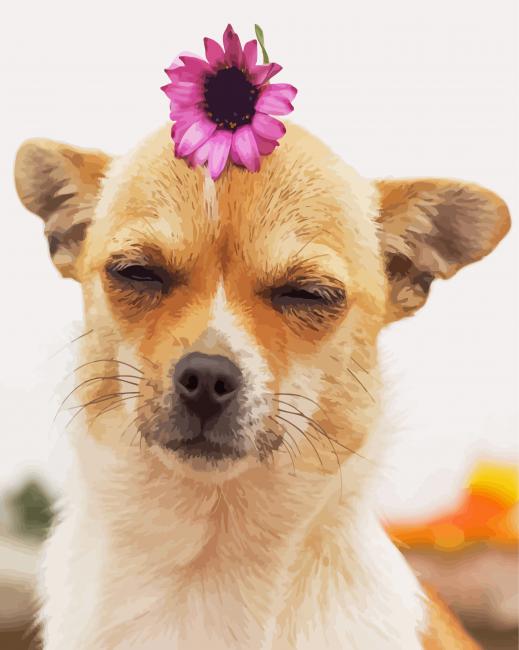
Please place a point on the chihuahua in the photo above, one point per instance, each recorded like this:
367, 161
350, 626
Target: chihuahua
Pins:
226, 416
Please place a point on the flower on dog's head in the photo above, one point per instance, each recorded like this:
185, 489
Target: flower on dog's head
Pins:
223, 107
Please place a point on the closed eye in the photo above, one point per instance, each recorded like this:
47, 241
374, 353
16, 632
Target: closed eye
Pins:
293, 296
141, 276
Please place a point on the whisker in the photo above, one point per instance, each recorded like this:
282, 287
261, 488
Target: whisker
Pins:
320, 429
289, 449
101, 398
97, 400
304, 436
307, 438
360, 383
288, 434
152, 363
294, 441
283, 442
124, 363
359, 366
111, 407
60, 350
266, 446
139, 431
314, 425
256, 447
82, 335
297, 411
133, 421
87, 381
301, 396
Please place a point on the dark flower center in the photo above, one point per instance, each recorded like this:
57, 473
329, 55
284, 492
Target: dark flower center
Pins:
230, 98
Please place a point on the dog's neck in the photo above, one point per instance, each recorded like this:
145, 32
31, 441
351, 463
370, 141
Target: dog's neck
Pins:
252, 518
239, 550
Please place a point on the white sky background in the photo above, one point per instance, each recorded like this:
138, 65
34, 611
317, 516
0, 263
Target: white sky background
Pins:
399, 88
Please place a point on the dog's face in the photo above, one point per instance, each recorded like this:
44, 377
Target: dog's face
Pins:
233, 324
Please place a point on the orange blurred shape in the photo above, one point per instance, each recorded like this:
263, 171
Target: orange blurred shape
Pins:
488, 511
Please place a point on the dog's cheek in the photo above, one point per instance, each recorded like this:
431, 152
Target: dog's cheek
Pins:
302, 386
337, 385
104, 351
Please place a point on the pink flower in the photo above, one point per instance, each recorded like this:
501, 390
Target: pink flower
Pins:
223, 106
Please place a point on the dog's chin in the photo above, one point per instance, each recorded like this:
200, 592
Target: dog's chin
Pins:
204, 460
202, 448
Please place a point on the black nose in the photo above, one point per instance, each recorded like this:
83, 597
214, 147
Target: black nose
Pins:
206, 383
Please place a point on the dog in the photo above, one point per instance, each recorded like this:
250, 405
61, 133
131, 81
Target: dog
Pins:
227, 427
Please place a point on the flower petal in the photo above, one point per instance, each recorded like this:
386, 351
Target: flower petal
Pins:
178, 107
177, 63
213, 52
286, 91
265, 147
232, 46
245, 144
219, 152
250, 54
184, 93
189, 114
235, 156
179, 128
195, 135
273, 104
262, 73
184, 120
268, 127
199, 155
174, 131
196, 65
181, 73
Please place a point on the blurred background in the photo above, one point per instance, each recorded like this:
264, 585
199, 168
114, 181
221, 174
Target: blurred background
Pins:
399, 88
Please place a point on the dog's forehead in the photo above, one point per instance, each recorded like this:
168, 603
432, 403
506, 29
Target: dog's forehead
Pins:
301, 196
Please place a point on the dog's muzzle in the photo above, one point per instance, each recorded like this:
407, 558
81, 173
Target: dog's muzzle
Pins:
206, 391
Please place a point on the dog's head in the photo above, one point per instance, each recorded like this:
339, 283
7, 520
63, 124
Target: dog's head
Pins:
233, 324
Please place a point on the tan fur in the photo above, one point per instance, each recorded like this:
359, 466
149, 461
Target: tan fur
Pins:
444, 630
265, 555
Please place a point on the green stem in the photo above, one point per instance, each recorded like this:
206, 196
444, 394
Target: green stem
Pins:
261, 41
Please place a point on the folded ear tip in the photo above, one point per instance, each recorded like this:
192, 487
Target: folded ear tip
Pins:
503, 220
494, 210
34, 147
26, 152
32, 151
33, 158
506, 218
60, 183
440, 226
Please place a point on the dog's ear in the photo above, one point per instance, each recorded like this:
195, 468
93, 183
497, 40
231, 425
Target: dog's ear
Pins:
429, 229
60, 184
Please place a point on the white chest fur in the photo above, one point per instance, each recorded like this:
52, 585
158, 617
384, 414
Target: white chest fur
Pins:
129, 578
